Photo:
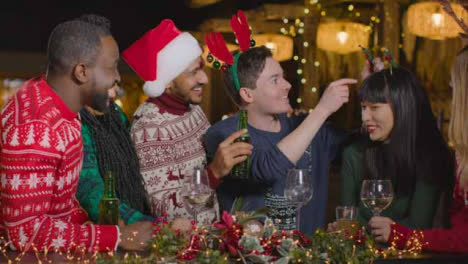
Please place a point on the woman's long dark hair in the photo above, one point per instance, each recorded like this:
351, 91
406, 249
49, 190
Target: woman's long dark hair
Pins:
415, 149
116, 152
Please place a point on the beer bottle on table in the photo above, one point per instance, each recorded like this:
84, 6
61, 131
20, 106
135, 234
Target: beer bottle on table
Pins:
242, 170
109, 204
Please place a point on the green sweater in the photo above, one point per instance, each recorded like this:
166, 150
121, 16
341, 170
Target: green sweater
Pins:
91, 183
415, 212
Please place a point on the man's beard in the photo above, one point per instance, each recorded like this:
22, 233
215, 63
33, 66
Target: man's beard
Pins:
99, 102
185, 97
190, 101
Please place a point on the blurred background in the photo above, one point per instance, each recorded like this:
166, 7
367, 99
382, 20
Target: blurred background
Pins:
315, 40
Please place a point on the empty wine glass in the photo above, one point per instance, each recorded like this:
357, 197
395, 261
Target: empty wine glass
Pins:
376, 195
298, 190
196, 192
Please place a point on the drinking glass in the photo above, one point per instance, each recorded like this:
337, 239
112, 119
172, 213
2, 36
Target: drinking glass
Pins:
196, 192
376, 195
298, 190
346, 219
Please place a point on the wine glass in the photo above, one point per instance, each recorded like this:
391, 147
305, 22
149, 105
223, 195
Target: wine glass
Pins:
298, 190
196, 192
376, 195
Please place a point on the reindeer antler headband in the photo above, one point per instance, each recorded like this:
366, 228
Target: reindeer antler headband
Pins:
218, 47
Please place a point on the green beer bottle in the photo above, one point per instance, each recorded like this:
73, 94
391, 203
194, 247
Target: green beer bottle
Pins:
109, 204
242, 170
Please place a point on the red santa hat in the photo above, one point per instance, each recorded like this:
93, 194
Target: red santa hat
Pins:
161, 55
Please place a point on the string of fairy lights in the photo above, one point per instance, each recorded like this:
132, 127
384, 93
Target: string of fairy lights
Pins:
413, 248
297, 26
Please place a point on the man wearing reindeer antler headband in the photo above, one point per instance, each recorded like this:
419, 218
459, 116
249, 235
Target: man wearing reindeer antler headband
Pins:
256, 83
168, 127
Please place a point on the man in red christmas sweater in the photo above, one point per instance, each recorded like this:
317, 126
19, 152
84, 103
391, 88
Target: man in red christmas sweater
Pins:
42, 149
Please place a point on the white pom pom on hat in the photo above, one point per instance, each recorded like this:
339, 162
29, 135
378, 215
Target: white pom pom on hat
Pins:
160, 55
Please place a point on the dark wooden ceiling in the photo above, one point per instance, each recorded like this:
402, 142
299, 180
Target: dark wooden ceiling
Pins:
25, 24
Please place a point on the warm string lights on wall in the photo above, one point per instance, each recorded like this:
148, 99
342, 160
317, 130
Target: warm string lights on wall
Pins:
347, 34
295, 27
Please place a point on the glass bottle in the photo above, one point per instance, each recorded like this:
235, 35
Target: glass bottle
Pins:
242, 170
109, 204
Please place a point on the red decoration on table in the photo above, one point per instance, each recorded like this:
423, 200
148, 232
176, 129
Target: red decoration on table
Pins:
231, 233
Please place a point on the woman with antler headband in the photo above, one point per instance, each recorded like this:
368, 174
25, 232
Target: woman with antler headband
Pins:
256, 83
403, 145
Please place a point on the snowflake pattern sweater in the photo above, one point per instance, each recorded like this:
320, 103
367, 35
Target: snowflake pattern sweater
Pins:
41, 157
168, 140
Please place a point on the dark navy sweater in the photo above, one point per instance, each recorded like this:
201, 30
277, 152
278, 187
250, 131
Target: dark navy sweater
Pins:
269, 167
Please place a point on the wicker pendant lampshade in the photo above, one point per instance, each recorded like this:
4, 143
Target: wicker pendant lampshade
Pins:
201, 3
281, 46
427, 19
342, 37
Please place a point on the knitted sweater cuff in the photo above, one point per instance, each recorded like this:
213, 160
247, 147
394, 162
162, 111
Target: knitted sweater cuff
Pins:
399, 235
213, 181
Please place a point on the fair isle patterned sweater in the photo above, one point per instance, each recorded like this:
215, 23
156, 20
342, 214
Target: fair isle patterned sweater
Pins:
168, 139
41, 157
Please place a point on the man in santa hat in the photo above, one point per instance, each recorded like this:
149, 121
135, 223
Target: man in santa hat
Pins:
167, 129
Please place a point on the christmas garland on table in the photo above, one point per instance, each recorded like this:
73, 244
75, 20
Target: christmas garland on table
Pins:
240, 238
